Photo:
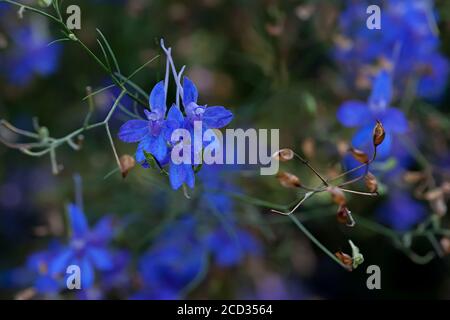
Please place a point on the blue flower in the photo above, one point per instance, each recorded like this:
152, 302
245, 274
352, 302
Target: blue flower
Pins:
87, 248
212, 117
149, 133
230, 247
29, 54
363, 115
406, 40
401, 211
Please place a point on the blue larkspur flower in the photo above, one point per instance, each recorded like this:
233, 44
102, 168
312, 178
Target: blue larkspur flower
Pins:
87, 248
29, 54
363, 115
149, 133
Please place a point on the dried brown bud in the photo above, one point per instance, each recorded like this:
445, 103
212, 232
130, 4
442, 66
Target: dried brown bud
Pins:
338, 196
446, 187
359, 155
127, 163
344, 216
284, 155
433, 194
344, 258
378, 134
288, 180
445, 244
371, 182
439, 206
413, 176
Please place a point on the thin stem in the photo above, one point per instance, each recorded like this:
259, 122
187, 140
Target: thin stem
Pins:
288, 213
305, 162
371, 194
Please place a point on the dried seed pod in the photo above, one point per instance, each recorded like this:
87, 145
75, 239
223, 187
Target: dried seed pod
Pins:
288, 180
359, 155
445, 244
344, 258
127, 163
371, 182
338, 196
344, 216
413, 176
378, 134
433, 194
284, 155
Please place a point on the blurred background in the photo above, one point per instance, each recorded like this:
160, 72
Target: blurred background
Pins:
292, 65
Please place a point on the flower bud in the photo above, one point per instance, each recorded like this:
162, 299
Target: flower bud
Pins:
127, 163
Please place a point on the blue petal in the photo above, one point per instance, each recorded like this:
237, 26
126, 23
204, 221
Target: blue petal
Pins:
394, 121
381, 91
190, 93
354, 114
177, 175
133, 130
101, 258
60, 263
143, 145
175, 120
190, 176
158, 99
217, 117
47, 285
78, 222
363, 140
158, 147
103, 231
87, 273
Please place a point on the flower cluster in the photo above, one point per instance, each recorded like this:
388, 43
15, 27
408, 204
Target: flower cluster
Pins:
155, 133
407, 42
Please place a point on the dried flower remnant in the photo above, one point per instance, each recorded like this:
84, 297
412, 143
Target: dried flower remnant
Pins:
359, 155
445, 244
127, 163
378, 134
338, 196
345, 259
284, 155
288, 180
344, 216
371, 182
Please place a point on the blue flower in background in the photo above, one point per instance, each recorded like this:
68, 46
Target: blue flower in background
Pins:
149, 133
229, 247
401, 212
363, 115
407, 40
29, 54
87, 248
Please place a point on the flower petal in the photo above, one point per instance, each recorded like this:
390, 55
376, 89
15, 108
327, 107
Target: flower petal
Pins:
143, 145
394, 121
133, 131
59, 264
177, 175
217, 117
190, 93
87, 273
157, 99
101, 258
78, 222
381, 94
354, 113
158, 147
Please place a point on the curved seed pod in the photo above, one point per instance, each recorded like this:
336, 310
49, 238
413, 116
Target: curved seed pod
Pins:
378, 134
371, 182
344, 216
344, 258
288, 180
284, 155
359, 155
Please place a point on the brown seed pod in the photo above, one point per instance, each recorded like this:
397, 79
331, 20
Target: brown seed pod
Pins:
284, 155
359, 155
371, 182
344, 216
288, 180
344, 258
378, 134
338, 196
127, 163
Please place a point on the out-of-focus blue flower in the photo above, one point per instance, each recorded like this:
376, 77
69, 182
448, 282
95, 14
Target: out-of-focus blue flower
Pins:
363, 115
229, 247
87, 248
29, 54
401, 211
149, 133
407, 40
